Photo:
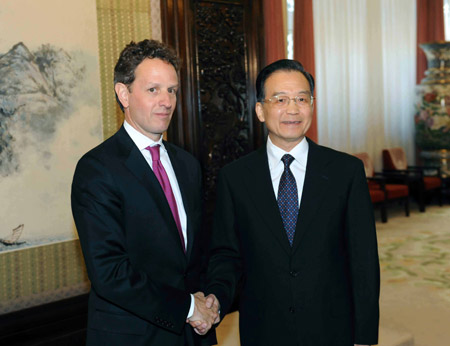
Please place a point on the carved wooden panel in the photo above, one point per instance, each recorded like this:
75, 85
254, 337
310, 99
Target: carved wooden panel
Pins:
222, 86
219, 43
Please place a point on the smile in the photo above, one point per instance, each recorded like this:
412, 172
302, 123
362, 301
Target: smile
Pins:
291, 122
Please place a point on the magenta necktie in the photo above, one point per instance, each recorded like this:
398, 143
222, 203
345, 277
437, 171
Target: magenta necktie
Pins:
163, 179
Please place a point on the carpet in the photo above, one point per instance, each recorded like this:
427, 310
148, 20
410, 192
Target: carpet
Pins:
415, 274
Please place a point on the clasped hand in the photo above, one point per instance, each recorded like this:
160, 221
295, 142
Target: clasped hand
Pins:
206, 313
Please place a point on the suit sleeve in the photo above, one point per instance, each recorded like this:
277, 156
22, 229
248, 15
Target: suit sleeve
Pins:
97, 210
224, 269
363, 257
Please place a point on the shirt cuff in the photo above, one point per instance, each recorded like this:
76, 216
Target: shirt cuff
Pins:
191, 309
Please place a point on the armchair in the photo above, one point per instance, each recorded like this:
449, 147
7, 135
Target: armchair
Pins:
421, 179
377, 183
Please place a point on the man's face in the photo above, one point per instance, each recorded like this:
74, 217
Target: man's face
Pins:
287, 125
150, 100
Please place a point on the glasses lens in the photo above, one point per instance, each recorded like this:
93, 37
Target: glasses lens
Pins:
279, 101
303, 100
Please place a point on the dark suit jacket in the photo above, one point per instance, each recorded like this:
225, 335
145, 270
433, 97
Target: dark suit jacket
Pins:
324, 289
140, 276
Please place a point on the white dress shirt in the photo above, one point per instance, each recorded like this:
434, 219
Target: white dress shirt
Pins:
143, 142
298, 166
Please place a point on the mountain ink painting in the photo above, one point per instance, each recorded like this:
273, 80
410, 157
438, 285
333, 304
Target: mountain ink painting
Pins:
50, 114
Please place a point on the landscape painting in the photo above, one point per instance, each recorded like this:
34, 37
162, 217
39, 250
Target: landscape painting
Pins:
50, 115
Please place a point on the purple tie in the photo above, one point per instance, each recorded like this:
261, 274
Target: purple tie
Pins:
163, 179
288, 198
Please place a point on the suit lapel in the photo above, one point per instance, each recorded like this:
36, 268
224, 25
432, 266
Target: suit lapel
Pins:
314, 190
260, 188
136, 163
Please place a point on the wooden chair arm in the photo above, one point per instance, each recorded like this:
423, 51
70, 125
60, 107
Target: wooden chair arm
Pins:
401, 178
425, 168
404, 171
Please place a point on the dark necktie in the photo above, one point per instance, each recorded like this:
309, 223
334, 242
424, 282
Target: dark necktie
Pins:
288, 198
163, 179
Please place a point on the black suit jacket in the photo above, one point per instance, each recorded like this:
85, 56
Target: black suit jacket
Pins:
324, 289
140, 276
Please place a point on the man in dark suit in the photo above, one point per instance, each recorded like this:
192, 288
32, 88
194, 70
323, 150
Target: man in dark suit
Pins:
294, 227
136, 201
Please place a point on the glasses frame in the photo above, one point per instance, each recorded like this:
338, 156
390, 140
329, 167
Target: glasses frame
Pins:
276, 97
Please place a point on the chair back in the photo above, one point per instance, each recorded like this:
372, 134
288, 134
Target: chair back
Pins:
394, 158
368, 164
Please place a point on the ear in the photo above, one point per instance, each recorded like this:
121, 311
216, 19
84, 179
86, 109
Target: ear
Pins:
122, 93
259, 109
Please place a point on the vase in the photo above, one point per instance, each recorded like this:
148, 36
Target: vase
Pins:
432, 118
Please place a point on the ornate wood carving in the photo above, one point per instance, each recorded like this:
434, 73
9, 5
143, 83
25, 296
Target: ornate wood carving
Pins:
222, 86
216, 119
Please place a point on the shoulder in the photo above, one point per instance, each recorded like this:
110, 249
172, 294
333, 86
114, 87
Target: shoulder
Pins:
102, 158
112, 146
333, 156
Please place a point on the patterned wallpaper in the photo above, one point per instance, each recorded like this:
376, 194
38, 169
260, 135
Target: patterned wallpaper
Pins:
118, 24
40, 275
43, 274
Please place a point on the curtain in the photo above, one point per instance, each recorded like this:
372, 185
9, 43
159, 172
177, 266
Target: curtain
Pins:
430, 27
274, 35
304, 47
365, 54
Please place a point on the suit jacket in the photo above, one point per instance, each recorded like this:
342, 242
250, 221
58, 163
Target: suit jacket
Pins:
323, 290
140, 276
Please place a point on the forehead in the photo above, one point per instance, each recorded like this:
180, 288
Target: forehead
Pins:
150, 69
286, 81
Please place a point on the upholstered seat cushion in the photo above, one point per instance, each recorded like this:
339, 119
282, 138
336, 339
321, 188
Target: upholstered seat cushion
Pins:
432, 182
376, 195
396, 191
393, 190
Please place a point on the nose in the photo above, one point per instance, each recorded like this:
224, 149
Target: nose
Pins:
165, 99
292, 107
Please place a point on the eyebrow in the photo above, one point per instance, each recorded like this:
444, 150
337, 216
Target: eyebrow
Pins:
154, 84
307, 92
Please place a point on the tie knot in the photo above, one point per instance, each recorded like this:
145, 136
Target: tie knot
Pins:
287, 160
154, 151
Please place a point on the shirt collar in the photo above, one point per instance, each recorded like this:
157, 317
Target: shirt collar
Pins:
141, 140
299, 152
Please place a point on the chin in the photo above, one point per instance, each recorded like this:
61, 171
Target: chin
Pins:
295, 136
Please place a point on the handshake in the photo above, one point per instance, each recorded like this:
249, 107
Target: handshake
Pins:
206, 313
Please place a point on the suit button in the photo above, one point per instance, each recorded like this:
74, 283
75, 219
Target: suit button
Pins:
293, 273
292, 310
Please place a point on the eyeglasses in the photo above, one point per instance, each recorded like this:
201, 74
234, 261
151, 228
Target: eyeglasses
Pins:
284, 100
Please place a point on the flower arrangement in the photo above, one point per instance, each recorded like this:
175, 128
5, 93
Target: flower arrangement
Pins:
432, 120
